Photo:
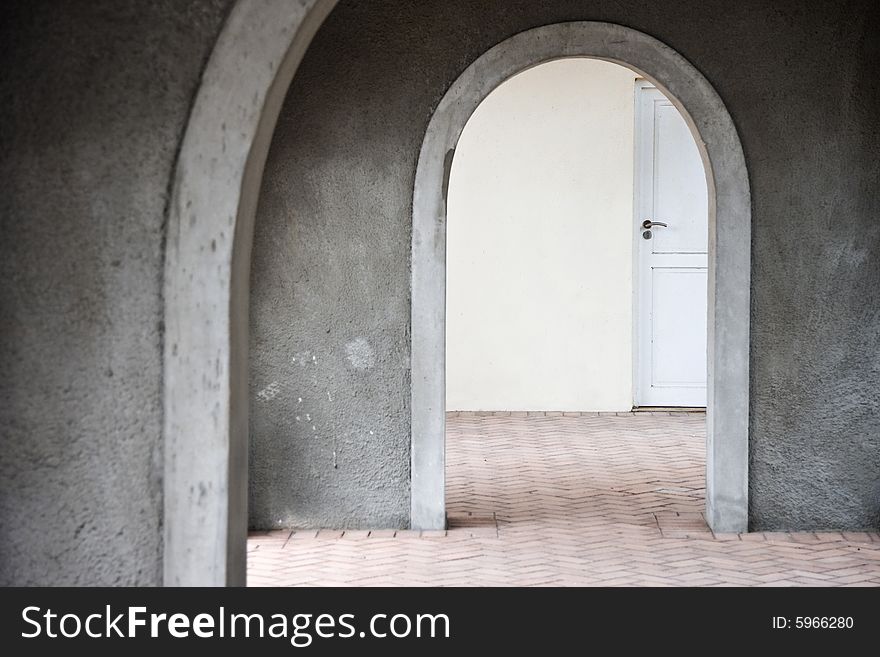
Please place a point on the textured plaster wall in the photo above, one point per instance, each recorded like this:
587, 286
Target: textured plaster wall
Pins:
331, 277
95, 97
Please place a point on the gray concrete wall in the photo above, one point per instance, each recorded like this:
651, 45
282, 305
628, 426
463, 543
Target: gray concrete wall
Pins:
95, 97
330, 277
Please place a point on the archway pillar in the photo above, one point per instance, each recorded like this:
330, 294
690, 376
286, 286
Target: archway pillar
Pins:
207, 271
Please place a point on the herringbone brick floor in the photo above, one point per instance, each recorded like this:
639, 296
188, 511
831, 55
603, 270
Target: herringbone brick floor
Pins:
545, 499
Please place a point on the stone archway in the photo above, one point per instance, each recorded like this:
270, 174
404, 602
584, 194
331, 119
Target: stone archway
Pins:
210, 228
729, 253
207, 273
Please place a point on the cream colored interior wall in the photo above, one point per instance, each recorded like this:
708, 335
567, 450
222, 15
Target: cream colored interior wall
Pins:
539, 244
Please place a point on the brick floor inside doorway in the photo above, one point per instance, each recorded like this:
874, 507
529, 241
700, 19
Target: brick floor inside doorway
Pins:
546, 499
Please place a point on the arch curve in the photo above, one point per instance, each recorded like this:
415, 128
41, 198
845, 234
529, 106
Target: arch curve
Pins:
729, 252
207, 271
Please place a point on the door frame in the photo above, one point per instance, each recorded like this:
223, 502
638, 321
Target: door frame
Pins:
729, 259
638, 216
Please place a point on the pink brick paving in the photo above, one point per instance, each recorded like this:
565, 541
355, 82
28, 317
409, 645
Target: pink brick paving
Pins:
568, 500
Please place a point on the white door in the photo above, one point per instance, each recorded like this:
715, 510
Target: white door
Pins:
671, 260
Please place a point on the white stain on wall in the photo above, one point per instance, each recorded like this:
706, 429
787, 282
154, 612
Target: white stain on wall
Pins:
269, 392
301, 358
360, 354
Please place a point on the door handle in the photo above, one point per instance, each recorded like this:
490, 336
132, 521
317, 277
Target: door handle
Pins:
647, 224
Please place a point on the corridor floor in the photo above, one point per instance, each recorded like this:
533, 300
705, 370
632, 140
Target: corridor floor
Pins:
574, 500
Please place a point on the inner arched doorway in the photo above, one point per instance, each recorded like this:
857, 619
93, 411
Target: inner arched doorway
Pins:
728, 252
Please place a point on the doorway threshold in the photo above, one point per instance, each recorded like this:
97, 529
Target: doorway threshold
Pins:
669, 409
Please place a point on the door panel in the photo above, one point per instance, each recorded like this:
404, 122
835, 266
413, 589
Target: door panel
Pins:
671, 264
678, 328
679, 185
